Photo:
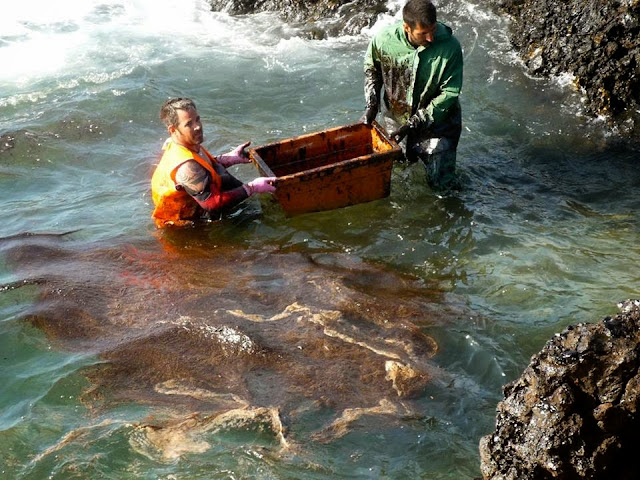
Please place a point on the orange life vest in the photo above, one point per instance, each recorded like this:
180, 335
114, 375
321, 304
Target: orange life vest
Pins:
173, 206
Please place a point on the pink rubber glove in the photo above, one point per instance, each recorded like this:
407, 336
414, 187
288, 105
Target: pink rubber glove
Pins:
260, 185
235, 156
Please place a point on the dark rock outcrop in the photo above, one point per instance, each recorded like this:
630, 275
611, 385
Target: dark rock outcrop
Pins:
597, 41
316, 18
574, 412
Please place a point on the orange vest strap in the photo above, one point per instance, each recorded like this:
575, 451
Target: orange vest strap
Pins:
201, 161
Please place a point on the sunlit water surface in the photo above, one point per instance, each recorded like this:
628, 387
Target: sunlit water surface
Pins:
259, 346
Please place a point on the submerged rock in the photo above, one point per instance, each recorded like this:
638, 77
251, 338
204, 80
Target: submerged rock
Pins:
7, 142
226, 337
596, 41
573, 413
317, 18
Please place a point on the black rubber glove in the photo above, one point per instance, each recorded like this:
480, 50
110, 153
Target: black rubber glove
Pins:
414, 122
369, 115
400, 133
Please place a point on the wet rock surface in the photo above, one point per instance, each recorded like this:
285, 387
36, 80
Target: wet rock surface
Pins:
317, 18
597, 41
573, 412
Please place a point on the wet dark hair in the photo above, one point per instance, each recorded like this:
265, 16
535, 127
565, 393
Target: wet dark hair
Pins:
169, 110
419, 12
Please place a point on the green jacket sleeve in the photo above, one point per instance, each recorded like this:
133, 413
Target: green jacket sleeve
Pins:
372, 77
437, 109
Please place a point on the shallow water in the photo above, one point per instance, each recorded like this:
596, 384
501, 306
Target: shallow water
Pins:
260, 346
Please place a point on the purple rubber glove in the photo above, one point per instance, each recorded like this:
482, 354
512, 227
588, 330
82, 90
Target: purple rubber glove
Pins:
235, 156
260, 185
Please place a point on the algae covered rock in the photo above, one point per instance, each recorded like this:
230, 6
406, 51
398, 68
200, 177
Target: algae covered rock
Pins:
596, 41
573, 412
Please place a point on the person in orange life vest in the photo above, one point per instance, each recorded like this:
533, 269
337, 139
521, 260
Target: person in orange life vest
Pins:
190, 183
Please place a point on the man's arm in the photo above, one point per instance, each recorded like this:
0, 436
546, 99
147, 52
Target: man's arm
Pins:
196, 181
437, 110
372, 82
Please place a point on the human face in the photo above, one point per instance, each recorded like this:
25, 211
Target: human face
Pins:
422, 35
188, 133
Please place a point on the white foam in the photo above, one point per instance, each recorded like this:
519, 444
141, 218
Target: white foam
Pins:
90, 36
394, 14
84, 39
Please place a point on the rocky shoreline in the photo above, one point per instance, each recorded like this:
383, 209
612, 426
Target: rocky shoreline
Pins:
317, 19
595, 41
573, 413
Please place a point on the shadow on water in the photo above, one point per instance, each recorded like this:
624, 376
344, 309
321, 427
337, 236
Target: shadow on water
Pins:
247, 335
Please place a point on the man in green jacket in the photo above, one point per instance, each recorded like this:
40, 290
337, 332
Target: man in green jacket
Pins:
418, 62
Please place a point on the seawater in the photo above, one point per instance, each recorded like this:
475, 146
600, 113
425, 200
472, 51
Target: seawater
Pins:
123, 348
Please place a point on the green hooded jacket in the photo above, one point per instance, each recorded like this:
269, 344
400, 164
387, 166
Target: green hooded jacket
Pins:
424, 82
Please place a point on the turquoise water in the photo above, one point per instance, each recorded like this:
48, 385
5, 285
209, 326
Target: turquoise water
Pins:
122, 347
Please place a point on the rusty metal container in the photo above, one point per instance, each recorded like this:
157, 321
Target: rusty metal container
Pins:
329, 169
